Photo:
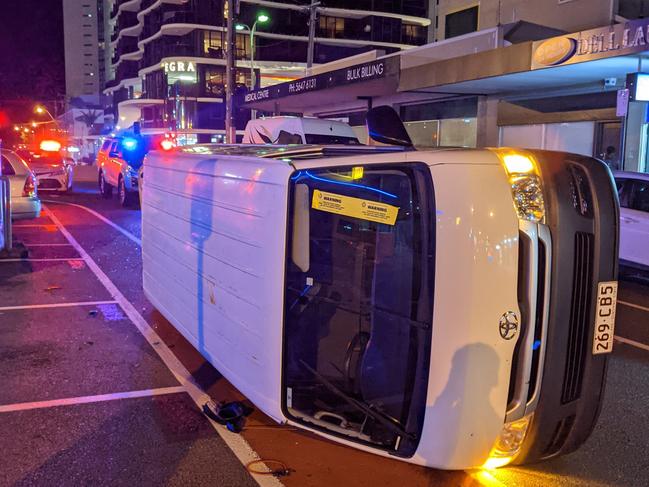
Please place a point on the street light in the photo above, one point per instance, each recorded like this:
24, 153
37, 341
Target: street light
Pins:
261, 19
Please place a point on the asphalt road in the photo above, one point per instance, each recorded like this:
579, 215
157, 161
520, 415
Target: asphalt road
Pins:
163, 439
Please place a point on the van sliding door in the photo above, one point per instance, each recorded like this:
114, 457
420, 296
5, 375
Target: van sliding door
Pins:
358, 309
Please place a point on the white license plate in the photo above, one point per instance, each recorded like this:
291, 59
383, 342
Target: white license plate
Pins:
605, 317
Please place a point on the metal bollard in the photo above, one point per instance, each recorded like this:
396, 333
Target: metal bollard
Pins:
5, 207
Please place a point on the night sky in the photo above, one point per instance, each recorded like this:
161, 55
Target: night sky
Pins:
31, 54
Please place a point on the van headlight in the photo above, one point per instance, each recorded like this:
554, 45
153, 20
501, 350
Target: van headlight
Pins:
525, 184
509, 443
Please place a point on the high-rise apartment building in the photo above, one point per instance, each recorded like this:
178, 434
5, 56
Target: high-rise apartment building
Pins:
84, 70
168, 61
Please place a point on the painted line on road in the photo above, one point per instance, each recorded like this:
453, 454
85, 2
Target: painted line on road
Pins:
121, 230
55, 305
240, 447
71, 401
633, 343
58, 259
34, 225
48, 245
632, 305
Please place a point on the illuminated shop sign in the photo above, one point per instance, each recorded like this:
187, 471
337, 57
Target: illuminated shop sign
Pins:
183, 71
340, 77
614, 40
638, 86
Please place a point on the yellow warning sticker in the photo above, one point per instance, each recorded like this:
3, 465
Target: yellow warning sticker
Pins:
355, 207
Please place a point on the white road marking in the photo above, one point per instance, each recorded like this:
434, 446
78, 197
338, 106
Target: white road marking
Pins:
58, 259
235, 442
632, 305
633, 343
55, 305
121, 230
70, 401
48, 245
33, 226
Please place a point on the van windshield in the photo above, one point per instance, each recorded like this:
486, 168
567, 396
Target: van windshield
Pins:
359, 292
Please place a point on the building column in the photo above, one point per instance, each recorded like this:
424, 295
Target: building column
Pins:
635, 137
487, 122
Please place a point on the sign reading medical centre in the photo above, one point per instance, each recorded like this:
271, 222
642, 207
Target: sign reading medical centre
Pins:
183, 71
340, 77
615, 40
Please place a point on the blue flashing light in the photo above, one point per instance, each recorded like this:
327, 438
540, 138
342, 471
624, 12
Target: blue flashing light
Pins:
536, 344
129, 144
353, 185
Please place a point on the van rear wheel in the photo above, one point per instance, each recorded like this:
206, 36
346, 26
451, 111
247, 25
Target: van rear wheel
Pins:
105, 188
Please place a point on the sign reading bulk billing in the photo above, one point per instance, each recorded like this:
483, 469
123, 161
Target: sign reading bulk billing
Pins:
183, 71
615, 40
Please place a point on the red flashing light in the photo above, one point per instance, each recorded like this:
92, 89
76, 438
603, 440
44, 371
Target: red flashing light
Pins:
50, 146
167, 144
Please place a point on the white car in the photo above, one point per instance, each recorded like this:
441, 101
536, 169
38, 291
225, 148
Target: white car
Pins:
436, 307
633, 191
24, 199
53, 172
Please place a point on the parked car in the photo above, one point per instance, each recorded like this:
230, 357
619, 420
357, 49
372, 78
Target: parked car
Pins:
633, 191
54, 171
24, 198
448, 308
119, 160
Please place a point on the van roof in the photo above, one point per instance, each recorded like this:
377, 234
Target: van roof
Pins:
297, 151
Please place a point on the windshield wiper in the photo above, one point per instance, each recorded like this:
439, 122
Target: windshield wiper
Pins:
390, 423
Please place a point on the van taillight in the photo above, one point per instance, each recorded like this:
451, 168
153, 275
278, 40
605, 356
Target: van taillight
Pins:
30, 187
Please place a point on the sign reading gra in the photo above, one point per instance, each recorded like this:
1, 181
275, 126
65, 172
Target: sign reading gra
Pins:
614, 40
340, 77
184, 71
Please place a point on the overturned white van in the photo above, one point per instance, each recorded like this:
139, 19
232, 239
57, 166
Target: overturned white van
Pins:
440, 307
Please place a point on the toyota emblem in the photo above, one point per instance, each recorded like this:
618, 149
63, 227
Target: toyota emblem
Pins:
508, 325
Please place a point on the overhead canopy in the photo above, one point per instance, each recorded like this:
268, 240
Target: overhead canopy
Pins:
370, 79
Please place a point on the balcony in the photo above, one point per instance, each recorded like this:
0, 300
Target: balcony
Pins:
127, 70
126, 45
125, 21
175, 14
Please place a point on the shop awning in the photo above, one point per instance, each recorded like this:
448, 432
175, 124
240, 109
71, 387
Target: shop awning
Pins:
374, 78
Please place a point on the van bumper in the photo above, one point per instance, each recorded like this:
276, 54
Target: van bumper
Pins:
582, 214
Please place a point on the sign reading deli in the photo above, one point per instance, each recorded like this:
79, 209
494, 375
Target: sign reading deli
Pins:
340, 77
355, 207
613, 40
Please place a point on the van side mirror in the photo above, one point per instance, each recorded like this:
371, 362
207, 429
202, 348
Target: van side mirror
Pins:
384, 125
301, 228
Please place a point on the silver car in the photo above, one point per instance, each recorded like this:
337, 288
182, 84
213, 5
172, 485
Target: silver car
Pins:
24, 199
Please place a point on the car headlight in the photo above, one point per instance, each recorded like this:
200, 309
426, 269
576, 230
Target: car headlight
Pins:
509, 443
525, 184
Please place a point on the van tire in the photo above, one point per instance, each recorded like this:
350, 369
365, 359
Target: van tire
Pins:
105, 188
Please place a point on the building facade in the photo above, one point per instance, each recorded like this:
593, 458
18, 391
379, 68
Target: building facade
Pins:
84, 70
167, 67
517, 84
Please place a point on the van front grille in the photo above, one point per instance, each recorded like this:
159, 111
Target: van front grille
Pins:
579, 316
